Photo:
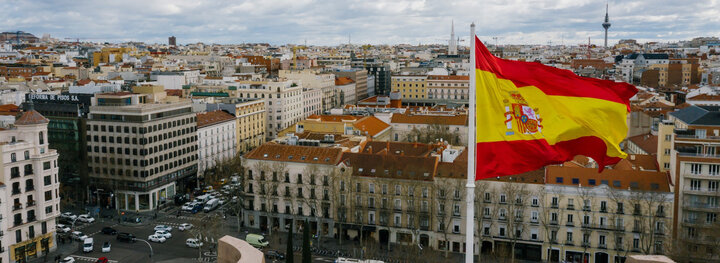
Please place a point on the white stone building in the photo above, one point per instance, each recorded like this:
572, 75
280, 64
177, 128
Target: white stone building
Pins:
28, 189
216, 138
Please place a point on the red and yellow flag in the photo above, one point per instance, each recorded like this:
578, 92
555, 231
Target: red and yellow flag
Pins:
530, 115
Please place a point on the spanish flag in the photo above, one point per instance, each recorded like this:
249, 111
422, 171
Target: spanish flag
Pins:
530, 115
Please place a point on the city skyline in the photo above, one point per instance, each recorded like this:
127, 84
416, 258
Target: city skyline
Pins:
373, 22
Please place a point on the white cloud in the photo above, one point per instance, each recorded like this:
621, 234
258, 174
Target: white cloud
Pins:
371, 21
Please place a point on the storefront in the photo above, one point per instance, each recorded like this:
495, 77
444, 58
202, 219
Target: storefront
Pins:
144, 201
32, 248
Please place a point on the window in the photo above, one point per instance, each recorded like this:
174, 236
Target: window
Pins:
570, 218
371, 188
13, 157
695, 185
714, 169
46, 166
591, 181
569, 236
558, 180
695, 168
602, 240
502, 199
398, 190
575, 180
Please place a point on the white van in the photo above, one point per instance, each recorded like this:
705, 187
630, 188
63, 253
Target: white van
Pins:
203, 198
211, 205
88, 245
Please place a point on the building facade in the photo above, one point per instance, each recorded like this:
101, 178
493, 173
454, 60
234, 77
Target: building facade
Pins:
141, 149
30, 188
216, 132
411, 87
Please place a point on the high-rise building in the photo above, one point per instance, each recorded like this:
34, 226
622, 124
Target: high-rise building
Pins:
606, 24
172, 41
28, 188
142, 148
695, 168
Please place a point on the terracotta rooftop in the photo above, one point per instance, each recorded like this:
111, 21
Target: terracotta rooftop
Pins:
343, 81
399, 148
332, 118
430, 119
371, 125
205, 119
615, 178
705, 97
296, 153
174, 92
9, 110
391, 166
646, 142
31, 117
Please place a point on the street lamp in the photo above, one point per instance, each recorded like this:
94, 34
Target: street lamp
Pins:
148, 243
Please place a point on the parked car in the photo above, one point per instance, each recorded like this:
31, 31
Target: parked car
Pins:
163, 233
77, 235
126, 237
163, 227
68, 260
197, 208
157, 238
68, 215
185, 226
210, 205
62, 228
102, 260
193, 243
109, 230
88, 245
274, 254
106, 247
256, 240
86, 218
187, 206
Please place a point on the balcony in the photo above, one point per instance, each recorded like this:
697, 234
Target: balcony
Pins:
554, 205
31, 219
585, 244
570, 207
603, 209
586, 208
502, 219
28, 172
16, 191
17, 207
29, 188
14, 175
553, 240
602, 246
17, 222
533, 220
30, 203
570, 224
553, 222
660, 214
620, 211
569, 243
619, 228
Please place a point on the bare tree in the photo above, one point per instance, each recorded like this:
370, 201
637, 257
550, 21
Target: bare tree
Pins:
208, 232
586, 199
549, 215
433, 133
447, 192
650, 218
517, 193
484, 192
342, 204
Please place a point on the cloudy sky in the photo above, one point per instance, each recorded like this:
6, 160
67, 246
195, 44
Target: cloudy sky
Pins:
329, 22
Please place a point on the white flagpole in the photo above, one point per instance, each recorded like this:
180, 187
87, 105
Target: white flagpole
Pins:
470, 185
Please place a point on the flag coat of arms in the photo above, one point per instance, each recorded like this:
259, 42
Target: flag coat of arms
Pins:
529, 115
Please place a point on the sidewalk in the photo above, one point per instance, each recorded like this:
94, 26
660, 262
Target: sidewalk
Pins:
63, 250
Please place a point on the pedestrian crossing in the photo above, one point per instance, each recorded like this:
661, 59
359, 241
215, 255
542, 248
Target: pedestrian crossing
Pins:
89, 259
207, 259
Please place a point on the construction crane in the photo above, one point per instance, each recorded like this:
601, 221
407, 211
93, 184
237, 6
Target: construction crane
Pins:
365, 48
295, 48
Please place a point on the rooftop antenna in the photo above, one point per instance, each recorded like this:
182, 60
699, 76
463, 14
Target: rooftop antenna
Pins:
588, 48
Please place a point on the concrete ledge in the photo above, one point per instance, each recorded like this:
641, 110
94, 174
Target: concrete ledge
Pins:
234, 250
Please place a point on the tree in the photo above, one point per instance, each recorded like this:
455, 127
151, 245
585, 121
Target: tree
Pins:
289, 252
208, 232
586, 197
448, 193
483, 202
433, 133
514, 209
549, 214
341, 182
650, 217
306, 256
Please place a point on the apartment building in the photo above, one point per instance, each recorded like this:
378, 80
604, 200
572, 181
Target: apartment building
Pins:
142, 147
411, 87
448, 88
216, 133
312, 102
694, 134
28, 188
250, 120
288, 184
346, 91
588, 216
410, 125
370, 126
360, 76
283, 101
315, 79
